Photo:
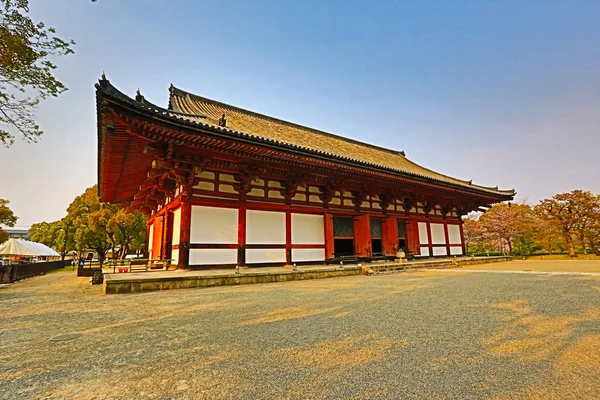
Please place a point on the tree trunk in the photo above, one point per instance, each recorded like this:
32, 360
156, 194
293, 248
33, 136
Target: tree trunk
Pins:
582, 239
570, 245
510, 249
101, 256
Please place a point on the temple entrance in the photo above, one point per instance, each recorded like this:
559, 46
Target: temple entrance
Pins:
166, 253
402, 243
376, 238
343, 236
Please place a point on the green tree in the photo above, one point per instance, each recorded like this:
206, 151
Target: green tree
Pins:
509, 225
7, 217
472, 232
26, 49
44, 232
90, 218
58, 234
548, 235
588, 209
569, 211
3, 236
127, 230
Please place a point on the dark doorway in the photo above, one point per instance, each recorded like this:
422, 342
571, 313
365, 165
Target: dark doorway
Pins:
343, 247
402, 243
376, 238
343, 236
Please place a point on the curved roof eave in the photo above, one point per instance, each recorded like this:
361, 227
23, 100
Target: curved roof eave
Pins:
171, 116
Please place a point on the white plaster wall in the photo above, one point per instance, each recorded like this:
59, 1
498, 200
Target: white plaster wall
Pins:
438, 236
454, 234
254, 256
214, 225
308, 255
265, 227
424, 252
423, 239
439, 251
308, 229
174, 257
213, 256
456, 251
150, 237
176, 226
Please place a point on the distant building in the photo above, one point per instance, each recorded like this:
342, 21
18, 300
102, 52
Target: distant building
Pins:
17, 233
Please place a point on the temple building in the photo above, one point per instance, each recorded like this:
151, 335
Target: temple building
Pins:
224, 186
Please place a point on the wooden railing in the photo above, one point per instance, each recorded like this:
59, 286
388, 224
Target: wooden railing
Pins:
138, 265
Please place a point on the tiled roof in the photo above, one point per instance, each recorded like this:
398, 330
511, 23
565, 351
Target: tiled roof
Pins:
206, 111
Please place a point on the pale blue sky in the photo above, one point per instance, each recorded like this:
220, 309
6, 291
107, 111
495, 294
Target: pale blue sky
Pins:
502, 92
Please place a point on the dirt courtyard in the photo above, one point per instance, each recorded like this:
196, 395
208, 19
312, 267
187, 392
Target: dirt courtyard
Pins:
412, 335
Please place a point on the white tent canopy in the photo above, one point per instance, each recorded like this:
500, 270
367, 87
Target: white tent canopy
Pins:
19, 247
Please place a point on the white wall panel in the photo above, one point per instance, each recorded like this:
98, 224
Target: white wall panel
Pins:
150, 236
423, 238
176, 226
213, 256
456, 251
174, 257
438, 236
254, 256
265, 227
214, 225
440, 251
308, 229
308, 255
454, 234
424, 252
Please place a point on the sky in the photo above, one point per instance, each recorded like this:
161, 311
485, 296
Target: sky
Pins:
504, 93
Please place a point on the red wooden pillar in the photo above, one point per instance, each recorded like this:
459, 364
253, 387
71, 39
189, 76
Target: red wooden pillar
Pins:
184, 235
362, 236
462, 237
447, 238
288, 237
157, 239
329, 239
412, 237
389, 227
429, 238
241, 259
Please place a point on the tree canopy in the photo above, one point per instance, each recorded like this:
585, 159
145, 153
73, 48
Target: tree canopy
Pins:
554, 224
26, 69
7, 217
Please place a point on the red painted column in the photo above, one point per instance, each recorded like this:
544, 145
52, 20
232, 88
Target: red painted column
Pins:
389, 227
362, 236
329, 239
447, 238
157, 239
412, 236
462, 237
241, 259
429, 238
288, 237
184, 235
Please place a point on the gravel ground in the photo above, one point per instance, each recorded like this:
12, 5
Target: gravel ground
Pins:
414, 335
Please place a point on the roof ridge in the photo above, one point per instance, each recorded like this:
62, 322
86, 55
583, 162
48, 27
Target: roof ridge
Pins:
180, 92
104, 86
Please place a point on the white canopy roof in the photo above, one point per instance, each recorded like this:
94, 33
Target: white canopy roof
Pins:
19, 247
